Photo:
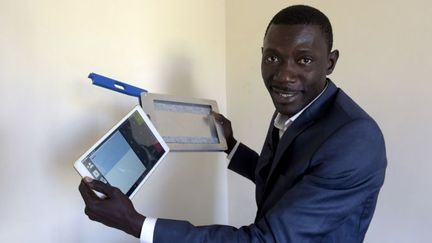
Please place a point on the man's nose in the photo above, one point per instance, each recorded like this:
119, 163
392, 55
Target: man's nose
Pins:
286, 73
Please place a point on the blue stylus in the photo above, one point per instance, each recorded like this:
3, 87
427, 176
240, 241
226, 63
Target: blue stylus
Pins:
115, 85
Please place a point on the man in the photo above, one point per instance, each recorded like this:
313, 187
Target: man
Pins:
322, 164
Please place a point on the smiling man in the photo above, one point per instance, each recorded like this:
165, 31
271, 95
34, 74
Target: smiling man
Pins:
321, 166
295, 62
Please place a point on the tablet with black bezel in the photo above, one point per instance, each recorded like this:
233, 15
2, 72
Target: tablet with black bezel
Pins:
126, 155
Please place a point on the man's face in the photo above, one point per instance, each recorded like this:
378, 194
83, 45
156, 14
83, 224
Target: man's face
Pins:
294, 66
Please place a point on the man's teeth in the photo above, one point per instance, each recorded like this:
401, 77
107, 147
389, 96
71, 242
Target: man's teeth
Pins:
286, 95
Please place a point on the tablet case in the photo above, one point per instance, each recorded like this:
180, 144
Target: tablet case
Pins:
184, 123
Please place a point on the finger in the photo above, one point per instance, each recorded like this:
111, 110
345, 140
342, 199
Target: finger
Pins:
102, 187
86, 192
217, 116
220, 119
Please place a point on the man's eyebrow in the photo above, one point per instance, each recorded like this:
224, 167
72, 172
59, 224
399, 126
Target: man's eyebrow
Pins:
304, 50
269, 49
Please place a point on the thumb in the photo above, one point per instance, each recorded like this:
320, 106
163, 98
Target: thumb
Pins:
219, 117
100, 186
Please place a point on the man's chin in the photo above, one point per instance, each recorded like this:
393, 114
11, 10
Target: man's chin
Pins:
288, 107
287, 111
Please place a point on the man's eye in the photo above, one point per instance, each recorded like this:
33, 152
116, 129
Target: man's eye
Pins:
271, 59
305, 61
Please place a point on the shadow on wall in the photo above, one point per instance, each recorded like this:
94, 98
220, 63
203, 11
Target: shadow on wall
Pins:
105, 108
174, 190
101, 109
77, 133
184, 185
177, 77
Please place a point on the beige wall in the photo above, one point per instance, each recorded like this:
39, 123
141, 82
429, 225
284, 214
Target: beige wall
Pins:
384, 65
47, 49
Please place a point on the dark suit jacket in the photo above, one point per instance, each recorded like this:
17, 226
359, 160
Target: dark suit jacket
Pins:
319, 183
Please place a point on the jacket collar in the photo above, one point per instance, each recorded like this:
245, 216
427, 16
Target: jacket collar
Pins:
306, 119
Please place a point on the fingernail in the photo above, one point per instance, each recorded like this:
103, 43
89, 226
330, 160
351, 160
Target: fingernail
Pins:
88, 179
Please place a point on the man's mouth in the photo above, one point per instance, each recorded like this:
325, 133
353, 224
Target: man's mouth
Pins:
284, 93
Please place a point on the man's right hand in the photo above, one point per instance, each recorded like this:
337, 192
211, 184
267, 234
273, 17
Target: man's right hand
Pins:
116, 210
228, 132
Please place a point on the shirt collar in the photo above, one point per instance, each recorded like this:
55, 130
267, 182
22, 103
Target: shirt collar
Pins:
282, 121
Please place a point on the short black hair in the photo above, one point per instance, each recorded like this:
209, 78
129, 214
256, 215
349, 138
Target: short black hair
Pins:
304, 15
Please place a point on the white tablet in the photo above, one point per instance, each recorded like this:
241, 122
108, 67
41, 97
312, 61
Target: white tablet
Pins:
126, 155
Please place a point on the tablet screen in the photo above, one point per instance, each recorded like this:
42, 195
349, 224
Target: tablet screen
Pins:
126, 156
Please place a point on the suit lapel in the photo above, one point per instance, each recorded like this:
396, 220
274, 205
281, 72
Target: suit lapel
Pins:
292, 132
267, 153
306, 119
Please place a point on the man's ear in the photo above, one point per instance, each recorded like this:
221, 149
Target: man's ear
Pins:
332, 60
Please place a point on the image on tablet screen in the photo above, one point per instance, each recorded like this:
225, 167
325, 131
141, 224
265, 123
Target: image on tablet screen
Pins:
126, 155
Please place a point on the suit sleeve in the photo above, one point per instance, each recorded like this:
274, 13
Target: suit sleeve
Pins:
346, 173
244, 162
